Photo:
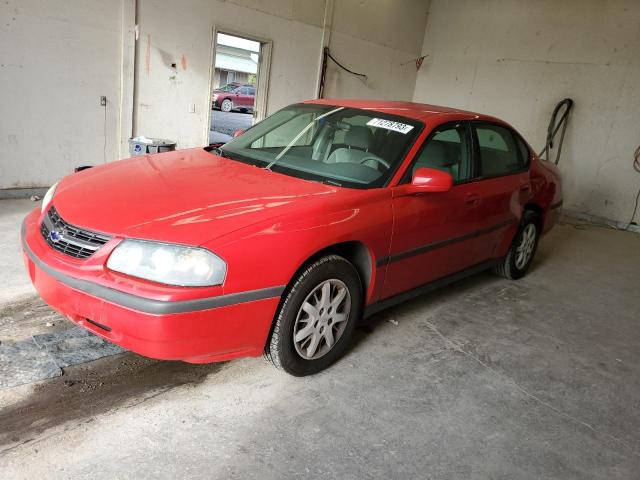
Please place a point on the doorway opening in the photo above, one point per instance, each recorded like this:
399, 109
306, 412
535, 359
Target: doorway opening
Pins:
239, 76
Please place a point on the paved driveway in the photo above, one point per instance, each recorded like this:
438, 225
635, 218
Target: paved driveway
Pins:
223, 124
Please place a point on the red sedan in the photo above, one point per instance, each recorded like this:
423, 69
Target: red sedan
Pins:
281, 240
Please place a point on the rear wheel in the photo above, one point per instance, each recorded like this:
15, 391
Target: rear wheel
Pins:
226, 105
317, 318
523, 248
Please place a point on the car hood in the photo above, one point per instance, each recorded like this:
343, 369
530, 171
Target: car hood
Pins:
187, 196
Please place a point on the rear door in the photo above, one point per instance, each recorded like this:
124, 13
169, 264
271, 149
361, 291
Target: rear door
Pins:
433, 233
503, 187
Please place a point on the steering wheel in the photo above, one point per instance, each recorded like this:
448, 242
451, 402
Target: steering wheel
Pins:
379, 160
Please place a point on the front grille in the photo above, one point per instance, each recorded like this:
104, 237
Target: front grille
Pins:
69, 239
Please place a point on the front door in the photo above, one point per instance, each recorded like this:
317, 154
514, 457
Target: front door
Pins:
433, 233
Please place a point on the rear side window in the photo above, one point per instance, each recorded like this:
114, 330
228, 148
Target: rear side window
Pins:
499, 152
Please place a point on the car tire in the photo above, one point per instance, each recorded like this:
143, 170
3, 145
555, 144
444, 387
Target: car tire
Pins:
523, 248
226, 105
312, 313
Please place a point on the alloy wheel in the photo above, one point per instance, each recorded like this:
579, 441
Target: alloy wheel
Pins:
524, 251
322, 319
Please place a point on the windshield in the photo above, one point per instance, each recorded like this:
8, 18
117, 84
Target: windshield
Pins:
343, 146
228, 87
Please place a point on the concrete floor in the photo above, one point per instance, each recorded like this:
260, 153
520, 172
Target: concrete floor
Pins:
14, 281
487, 379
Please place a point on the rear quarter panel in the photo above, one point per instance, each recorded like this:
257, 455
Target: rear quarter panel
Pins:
546, 189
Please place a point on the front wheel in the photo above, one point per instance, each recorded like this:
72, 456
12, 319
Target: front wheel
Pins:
317, 317
523, 248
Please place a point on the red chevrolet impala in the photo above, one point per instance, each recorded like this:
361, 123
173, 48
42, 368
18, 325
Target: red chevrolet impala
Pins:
281, 240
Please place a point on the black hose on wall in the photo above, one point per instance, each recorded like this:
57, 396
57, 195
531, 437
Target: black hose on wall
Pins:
555, 125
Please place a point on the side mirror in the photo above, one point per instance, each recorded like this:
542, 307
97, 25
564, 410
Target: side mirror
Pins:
430, 180
238, 132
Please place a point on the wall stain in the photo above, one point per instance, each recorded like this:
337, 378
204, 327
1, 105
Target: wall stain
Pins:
148, 55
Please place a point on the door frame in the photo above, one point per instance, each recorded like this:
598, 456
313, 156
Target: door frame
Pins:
262, 75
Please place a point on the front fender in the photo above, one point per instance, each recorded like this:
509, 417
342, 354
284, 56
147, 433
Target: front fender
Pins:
270, 253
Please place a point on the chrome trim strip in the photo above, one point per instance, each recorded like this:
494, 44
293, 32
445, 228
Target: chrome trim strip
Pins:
147, 305
442, 243
73, 241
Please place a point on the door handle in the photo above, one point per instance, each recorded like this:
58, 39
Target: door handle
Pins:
473, 199
525, 188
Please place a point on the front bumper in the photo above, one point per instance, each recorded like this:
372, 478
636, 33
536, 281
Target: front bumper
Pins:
197, 330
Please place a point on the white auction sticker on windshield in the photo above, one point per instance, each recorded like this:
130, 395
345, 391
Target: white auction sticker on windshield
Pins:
389, 125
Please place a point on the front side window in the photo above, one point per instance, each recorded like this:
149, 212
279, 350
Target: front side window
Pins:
448, 150
338, 145
499, 153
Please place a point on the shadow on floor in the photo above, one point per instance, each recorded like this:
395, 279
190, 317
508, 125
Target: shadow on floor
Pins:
90, 389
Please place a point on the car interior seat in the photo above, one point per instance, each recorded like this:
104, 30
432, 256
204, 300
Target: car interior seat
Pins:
440, 155
357, 143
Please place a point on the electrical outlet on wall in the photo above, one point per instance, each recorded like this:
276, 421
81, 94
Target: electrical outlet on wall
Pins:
103, 100
192, 108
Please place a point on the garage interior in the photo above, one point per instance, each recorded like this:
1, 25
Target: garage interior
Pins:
487, 378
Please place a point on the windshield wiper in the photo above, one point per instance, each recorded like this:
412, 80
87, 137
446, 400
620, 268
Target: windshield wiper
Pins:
330, 182
302, 132
218, 151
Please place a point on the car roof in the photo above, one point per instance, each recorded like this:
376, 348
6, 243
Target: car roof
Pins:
416, 111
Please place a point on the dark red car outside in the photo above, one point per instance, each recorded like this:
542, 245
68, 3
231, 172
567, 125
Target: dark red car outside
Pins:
233, 96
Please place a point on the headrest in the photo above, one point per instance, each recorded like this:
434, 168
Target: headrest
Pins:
437, 155
358, 137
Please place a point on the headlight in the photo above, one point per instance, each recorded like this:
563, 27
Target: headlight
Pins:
168, 263
48, 197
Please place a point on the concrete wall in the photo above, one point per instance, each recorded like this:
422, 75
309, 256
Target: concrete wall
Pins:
171, 30
373, 36
381, 39
56, 59
516, 58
